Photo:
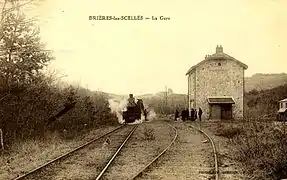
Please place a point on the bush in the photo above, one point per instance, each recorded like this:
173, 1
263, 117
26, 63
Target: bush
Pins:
25, 112
148, 134
228, 131
260, 147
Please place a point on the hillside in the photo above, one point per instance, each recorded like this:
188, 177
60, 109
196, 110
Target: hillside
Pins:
269, 89
264, 104
165, 104
264, 81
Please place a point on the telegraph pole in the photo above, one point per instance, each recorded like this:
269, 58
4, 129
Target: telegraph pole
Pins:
165, 96
165, 100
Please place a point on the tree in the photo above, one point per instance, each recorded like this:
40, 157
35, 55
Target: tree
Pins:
22, 55
22, 84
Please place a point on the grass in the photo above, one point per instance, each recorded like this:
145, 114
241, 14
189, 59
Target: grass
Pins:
26, 155
259, 146
149, 134
228, 130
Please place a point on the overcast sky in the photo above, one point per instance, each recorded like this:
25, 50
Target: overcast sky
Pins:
145, 56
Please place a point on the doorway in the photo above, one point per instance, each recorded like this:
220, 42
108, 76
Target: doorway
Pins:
215, 111
226, 111
221, 111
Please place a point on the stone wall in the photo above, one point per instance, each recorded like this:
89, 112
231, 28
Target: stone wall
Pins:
214, 79
191, 90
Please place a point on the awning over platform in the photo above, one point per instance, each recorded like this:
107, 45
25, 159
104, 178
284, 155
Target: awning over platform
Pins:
220, 100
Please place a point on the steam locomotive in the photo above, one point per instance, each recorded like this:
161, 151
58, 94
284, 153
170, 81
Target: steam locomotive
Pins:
135, 112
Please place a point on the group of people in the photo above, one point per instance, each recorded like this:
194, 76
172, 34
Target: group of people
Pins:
186, 115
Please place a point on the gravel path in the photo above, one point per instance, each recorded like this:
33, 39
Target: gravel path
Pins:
189, 158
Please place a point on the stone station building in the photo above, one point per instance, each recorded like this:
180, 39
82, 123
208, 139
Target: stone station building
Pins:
216, 85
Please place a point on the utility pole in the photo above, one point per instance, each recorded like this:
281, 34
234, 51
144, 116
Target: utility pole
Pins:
165, 96
165, 100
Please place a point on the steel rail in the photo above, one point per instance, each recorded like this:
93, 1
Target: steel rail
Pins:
66, 154
214, 151
116, 153
158, 156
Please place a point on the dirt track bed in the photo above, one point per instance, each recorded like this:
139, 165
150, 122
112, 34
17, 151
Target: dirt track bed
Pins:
146, 143
86, 163
189, 158
229, 169
28, 155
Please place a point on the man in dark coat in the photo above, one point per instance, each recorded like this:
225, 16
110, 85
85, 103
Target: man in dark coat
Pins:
176, 115
183, 115
195, 114
199, 113
187, 114
192, 114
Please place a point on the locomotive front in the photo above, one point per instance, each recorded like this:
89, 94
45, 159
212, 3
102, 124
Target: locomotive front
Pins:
134, 111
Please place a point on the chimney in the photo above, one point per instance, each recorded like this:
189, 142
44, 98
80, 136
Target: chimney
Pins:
219, 49
207, 56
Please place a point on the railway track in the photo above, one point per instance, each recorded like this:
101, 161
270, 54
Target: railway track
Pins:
214, 151
38, 169
100, 176
116, 153
119, 148
158, 156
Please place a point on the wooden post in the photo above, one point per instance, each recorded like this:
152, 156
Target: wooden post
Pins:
1, 140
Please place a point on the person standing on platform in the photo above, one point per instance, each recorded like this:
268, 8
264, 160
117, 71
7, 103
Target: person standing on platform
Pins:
200, 113
176, 115
192, 114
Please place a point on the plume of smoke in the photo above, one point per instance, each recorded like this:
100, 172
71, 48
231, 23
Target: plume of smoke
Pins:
151, 115
117, 107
